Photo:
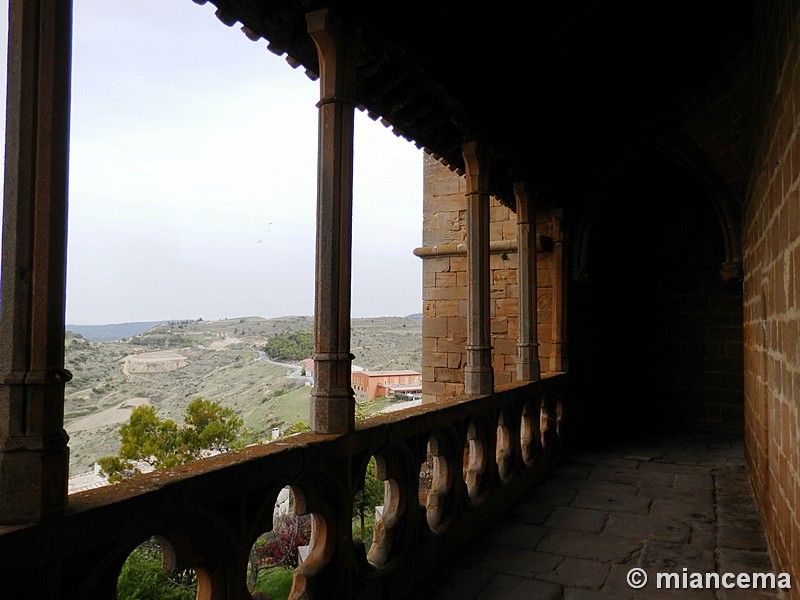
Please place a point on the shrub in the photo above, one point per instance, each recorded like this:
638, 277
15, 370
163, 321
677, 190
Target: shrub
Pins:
143, 578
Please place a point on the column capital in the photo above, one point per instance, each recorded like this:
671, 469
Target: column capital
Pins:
477, 163
338, 46
525, 195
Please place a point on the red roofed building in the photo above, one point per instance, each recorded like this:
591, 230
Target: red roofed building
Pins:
368, 385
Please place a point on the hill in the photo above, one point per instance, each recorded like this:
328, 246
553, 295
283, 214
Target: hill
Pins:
172, 362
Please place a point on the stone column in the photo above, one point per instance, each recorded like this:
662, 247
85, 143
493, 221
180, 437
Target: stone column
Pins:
478, 373
332, 400
34, 458
528, 368
559, 357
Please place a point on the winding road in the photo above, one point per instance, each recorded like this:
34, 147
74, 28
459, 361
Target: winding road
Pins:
296, 370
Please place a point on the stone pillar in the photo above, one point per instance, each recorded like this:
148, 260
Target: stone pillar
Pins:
478, 373
559, 357
34, 458
528, 368
332, 400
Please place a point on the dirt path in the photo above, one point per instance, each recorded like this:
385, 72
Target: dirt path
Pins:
111, 416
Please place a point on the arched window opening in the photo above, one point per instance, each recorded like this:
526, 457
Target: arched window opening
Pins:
277, 552
150, 572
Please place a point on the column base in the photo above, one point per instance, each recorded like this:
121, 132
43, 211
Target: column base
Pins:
333, 411
478, 380
529, 371
33, 484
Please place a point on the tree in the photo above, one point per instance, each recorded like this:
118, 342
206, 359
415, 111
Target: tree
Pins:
208, 428
147, 438
294, 345
299, 427
368, 497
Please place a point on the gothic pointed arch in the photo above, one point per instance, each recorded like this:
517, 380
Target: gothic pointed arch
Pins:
678, 152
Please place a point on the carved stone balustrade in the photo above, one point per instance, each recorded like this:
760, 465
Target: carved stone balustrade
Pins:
449, 469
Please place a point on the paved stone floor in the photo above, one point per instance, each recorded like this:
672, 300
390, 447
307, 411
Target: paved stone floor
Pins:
661, 505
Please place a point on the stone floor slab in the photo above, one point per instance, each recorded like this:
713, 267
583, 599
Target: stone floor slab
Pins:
612, 501
530, 512
703, 534
577, 572
504, 587
641, 527
742, 533
691, 507
740, 594
694, 482
662, 504
583, 594
663, 466
580, 545
628, 476
666, 557
733, 560
571, 470
609, 487
457, 583
552, 494
514, 535
577, 519
520, 563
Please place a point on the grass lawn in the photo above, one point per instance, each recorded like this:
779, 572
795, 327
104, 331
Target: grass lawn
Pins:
277, 582
293, 406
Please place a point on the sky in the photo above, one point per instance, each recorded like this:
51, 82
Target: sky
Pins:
192, 194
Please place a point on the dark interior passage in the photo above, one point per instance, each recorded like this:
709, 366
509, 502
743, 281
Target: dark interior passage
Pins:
656, 335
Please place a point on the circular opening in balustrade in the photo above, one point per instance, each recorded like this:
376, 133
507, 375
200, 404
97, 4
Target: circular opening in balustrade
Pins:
504, 450
559, 419
544, 425
475, 461
368, 514
278, 551
435, 483
529, 438
152, 571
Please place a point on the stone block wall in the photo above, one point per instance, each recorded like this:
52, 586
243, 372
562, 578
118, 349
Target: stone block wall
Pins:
444, 325
772, 292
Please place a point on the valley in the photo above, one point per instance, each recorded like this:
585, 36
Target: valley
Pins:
174, 362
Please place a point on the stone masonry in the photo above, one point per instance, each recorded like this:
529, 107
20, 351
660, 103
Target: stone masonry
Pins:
444, 327
772, 299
